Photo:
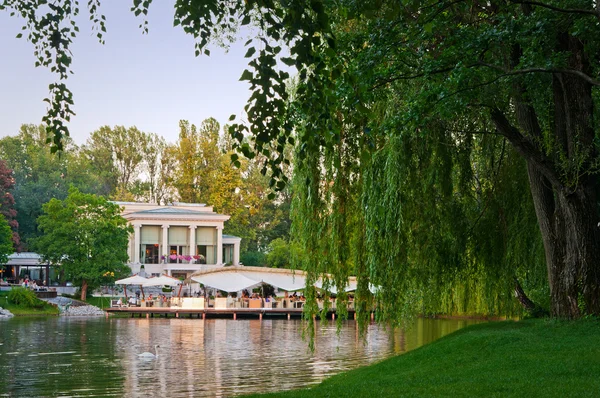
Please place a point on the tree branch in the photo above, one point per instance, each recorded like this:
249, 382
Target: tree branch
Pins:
563, 10
578, 73
526, 148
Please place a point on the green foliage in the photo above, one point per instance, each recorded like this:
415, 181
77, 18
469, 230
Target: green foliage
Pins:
279, 254
253, 259
86, 237
40, 175
24, 298
6, 240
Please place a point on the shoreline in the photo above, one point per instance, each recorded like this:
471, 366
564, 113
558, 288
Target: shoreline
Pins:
535, 357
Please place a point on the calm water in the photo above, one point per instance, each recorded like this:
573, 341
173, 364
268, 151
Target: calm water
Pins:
219, 357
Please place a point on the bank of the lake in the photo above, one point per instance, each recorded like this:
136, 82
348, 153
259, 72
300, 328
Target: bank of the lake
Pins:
544, 358
41, 308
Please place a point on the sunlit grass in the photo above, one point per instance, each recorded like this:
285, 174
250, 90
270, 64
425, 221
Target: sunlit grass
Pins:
101, 302
541, 358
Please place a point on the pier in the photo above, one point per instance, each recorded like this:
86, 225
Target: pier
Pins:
203, 313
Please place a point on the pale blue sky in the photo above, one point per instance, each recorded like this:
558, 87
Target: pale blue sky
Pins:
150, 81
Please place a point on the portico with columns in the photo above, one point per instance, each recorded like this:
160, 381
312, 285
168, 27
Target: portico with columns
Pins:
178, 239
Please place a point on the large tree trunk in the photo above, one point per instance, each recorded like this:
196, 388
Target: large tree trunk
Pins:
569, 226
84, 287
563, 189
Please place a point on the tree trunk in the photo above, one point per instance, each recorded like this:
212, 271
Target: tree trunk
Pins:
84, 287
563, 184
522, 297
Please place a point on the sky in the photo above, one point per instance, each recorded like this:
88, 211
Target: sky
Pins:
149, 81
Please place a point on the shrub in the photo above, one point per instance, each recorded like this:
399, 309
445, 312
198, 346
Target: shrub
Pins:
24, 297
254, 259
279, 254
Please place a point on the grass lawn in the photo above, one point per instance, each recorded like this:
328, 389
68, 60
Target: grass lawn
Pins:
100, 302
533, 358
17, 310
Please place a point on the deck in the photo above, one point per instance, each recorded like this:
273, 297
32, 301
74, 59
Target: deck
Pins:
177, 312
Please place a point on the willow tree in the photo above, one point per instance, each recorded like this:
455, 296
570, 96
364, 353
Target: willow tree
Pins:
526, 68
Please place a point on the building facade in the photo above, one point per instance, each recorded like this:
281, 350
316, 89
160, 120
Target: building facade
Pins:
178, 239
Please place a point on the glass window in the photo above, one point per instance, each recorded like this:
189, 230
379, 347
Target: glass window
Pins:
208, 254
228, 254
150, 254
175, 251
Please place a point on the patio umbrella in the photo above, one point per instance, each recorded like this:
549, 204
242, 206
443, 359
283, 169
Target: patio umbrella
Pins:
163, 280
227, 281
132, 280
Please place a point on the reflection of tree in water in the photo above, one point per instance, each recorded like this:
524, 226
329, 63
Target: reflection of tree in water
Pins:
57, 356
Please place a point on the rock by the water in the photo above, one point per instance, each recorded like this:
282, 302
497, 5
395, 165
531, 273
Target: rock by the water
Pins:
5, 313
70, 307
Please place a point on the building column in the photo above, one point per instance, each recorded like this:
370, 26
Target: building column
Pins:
219, 245
192, 242
136, 242
165, 243
130, 251
236, 254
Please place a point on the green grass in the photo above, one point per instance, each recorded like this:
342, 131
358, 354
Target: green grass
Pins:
103, 303
19, 310
533, 358
100, 302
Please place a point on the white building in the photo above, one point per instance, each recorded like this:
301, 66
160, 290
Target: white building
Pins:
178, 239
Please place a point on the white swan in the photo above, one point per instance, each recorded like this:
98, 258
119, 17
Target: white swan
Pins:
150, 355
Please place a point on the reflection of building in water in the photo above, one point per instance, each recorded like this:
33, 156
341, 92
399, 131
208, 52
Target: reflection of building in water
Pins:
179, 238
181, 347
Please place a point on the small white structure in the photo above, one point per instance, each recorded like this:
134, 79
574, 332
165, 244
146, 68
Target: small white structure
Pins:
178, 239
26, 264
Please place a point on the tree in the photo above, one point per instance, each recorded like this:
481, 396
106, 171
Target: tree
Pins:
7, 202
159, 167
86, 237
6, 240
279, 254
117, 153
39, 175
522, 70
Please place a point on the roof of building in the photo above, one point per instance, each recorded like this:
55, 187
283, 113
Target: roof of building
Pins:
24, 258
156, 204
25, 255
173, 210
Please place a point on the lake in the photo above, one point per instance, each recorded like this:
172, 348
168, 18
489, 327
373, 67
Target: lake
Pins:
79, 357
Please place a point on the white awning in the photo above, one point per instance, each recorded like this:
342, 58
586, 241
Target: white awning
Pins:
234, 279
227, 281
288, 282
132, 280
163, 280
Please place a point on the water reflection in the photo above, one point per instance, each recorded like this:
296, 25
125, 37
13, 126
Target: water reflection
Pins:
217, 357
